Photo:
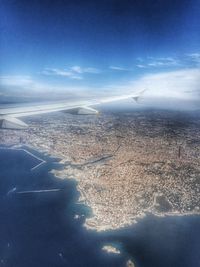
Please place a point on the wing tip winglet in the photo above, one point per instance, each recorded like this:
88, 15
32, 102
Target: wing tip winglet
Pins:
137, 97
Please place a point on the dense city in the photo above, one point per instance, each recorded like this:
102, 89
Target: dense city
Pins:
126, 164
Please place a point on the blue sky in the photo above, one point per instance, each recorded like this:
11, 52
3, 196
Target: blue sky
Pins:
95, 45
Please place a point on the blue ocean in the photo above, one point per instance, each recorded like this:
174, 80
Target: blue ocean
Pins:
38, 228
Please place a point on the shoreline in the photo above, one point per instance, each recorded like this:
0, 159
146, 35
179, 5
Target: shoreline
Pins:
92, 225
154, 167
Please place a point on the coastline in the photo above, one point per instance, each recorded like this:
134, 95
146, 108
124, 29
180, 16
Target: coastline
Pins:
90, 223
122, 170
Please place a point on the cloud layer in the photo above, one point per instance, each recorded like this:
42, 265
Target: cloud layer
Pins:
177, 84
162, 87
173, 89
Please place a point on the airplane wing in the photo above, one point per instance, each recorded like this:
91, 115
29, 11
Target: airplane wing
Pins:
9, 116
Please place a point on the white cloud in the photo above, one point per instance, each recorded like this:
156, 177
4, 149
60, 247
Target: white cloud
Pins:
162, 87
75, 72
187, 60
172, 84
26, 86
141, 66
19, 83
178, 89
15, 80
63, 73
160, 62
76, 69
81, 70
194, 57
118, 68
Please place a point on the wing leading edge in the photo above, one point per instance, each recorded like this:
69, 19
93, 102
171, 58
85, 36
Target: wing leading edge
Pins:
9, 116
